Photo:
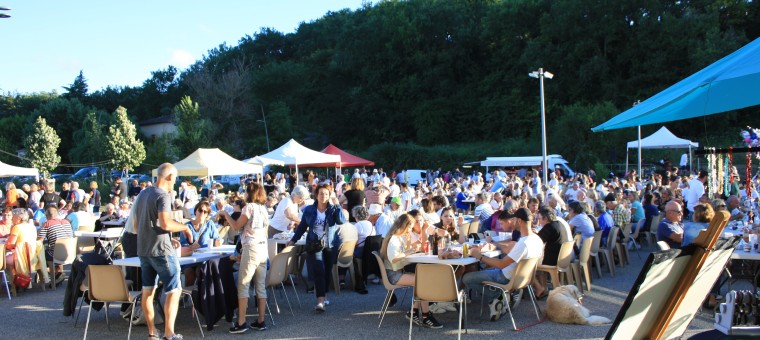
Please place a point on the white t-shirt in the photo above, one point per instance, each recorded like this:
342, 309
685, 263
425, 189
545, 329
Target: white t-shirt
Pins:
432, 218
406, 201
396, 247
319, 223
383, 224
279, 220
696, 190
395, 190
527, 247
363, 229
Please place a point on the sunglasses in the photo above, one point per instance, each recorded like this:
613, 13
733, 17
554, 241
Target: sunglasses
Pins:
205, 212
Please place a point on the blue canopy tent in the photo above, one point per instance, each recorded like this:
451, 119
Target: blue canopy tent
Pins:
728, 84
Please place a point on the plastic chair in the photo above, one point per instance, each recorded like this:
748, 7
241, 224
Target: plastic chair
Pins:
345, 260
521, 278
106, 284
662, 245
580, 265
622, 247
278, 271
2, 271
595, 252
438, 284
292, 265
635, 237
607, 250
563, 265
388, 286
651, 235
65, 252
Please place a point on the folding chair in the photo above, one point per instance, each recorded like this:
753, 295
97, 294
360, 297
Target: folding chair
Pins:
440, 285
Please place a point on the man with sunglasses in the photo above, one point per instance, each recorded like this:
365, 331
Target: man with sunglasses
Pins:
670, 229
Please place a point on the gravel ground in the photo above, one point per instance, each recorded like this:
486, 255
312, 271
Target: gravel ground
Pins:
38, 315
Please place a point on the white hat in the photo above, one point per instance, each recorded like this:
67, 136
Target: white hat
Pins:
374, 170
375, 209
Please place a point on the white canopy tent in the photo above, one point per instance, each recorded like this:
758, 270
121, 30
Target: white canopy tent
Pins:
7, 170
212, 162
293, 153
662, 139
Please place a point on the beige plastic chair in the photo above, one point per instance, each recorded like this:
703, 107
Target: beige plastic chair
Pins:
345, 260
85, 244
563, 266
388, 286
106, 284
577, 240
278, 272
607, 251
65, 252
580, 265
595, 252
521, 278
292, 267
621, 247
438, 283
635, 237
651, 235
2, 271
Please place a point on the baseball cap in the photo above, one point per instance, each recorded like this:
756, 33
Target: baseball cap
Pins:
375, 209
396, 200
610, 198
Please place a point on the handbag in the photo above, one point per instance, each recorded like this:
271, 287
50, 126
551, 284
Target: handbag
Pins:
315, 244
20, 280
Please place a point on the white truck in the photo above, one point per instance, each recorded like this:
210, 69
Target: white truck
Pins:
555, 162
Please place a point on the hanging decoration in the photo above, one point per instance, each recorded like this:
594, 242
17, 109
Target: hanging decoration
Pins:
710, 173
750, 139
748, 187
721, 175
727, 176
731, 163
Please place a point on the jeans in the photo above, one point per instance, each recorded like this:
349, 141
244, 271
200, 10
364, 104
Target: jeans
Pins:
473, 280
165, 268
319, 266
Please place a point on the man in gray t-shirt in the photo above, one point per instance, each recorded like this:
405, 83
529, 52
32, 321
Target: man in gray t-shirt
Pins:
156, 248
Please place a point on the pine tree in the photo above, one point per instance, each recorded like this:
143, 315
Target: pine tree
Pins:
124, 149
77, 89
42, 147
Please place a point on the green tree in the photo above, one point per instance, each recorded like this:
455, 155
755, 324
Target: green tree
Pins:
77, 89
192, 130
89, 141
42, 147
65, 115
124, 149
160, 150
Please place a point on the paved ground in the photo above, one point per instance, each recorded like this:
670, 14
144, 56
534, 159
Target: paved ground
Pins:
36, 314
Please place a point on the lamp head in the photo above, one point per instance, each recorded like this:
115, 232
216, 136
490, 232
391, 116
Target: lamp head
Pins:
548, 75
533, 74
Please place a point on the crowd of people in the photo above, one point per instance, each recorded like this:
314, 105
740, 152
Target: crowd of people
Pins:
379, 211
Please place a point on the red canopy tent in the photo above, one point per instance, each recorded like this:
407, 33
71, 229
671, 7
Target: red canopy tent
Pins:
346, 159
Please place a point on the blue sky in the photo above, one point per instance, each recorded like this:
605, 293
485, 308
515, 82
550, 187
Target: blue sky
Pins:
46, 42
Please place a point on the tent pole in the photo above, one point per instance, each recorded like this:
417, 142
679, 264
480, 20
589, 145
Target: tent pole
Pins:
626, 159
639, 150
691, 168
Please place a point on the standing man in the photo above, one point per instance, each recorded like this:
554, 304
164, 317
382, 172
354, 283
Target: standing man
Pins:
156, 249
696, 190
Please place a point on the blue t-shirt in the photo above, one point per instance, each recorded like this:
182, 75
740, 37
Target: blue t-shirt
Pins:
639, 213
203, 236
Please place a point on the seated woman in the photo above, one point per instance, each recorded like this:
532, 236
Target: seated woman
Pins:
449, 225
200, 233
551, 234
396, 247
703, 214
364, 228
7, 223
429, 211
22, 231
579, 221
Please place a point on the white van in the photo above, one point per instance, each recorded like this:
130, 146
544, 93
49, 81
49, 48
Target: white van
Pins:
412, 176
555, 162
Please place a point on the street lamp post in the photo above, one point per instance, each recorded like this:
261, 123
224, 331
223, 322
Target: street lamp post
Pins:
541, 74
266, 130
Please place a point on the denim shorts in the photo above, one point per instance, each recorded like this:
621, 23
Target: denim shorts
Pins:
165, 268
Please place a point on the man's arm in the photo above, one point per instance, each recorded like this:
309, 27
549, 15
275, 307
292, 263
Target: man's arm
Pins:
166, 222
676, 237
491, 262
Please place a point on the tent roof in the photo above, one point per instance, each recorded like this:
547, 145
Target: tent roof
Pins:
662, 139
293, 153
346, 159
7, 170
213, 162
263, 161
728, 84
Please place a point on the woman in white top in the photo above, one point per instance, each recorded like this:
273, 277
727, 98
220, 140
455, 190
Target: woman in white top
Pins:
429, 211
286, 216
253, 261
396, 247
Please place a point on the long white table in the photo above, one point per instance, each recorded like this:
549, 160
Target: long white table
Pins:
463, 261
107, 234
195, 258
226, 249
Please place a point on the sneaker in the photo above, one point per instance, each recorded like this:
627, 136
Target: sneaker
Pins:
327, 302
174, 337
449, 306
259, 326
515, 298
429, 321
437, 309
496, 309
320, 307
376, 281
413, 316
238, 329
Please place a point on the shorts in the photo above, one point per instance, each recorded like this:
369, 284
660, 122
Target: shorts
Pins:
394, 275
165, 268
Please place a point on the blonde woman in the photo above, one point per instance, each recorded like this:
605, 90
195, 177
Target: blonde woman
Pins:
354, 197
396, 247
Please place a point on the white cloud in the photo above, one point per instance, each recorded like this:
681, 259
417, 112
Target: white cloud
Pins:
181, 59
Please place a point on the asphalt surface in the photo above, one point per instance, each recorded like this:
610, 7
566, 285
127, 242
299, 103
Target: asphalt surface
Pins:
35, 314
